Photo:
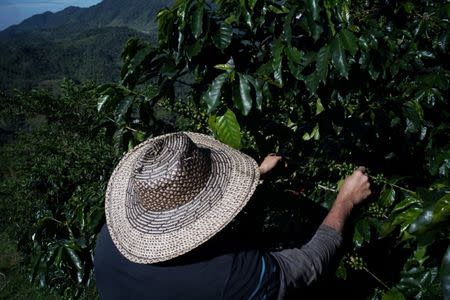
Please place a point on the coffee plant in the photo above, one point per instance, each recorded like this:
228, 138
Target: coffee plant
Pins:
330, 85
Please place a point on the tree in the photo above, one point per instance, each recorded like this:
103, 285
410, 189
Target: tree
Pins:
331, 85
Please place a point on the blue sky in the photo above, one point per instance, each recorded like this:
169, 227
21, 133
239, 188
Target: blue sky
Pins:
15, 11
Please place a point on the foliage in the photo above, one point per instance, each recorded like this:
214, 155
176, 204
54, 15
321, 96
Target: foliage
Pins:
53, 183
42, 59
330, 85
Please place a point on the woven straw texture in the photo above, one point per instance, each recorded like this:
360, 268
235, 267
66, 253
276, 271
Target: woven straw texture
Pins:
172, 193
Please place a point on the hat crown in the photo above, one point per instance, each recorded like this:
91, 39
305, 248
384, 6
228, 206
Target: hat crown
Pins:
170, 173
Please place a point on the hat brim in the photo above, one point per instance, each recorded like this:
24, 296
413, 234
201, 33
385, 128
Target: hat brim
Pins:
238, 176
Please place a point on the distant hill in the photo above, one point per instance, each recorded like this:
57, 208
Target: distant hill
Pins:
76, 43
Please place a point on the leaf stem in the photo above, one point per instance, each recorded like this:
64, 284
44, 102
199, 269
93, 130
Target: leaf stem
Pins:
327, 188
376, 278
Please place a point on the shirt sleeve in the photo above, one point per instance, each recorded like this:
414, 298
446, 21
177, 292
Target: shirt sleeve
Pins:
299, 267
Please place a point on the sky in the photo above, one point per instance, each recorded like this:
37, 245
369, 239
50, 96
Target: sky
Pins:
15, 11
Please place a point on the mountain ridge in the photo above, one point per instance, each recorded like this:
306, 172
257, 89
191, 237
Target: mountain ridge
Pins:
75, 43
135, 14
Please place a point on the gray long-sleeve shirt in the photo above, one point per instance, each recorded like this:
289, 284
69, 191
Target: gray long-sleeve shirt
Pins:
302, 266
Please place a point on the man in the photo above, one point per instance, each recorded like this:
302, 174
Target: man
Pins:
171, 194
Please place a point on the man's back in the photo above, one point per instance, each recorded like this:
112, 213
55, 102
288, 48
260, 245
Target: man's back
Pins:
241, 275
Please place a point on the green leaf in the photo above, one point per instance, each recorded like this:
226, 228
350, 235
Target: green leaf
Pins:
58, 257
259, 85
246, 14
404, 219
319, 106
296, 70
406, 203
387, 197
212, 95
422, 223
224, 67
341, 271
226, 129
122, 109
313, 8
194, 49
287, 27
197, 20
441, 211
293, 54
414, 116
338, 57
323, 57
222, 38
362, 232
102, 100
393, 295
444, 273
312, 82
244, 102
76, 261
277, 51
314, 134
349, 41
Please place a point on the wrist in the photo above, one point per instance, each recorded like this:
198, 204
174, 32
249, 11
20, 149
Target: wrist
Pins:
343, 204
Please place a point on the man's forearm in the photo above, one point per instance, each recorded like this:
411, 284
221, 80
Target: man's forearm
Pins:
338, 214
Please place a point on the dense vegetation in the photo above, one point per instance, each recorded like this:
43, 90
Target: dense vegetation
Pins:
330, 85
42, 60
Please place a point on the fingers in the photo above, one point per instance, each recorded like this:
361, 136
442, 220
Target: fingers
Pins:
362, 169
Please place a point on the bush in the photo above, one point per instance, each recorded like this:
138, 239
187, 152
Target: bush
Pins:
53, 184
330, 85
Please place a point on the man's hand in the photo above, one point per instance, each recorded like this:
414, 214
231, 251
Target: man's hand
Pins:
269, 162
355, 189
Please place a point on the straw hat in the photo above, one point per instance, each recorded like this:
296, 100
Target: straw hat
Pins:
173, 192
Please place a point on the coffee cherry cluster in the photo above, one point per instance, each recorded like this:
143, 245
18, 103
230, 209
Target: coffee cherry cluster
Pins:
377, 211
356, 262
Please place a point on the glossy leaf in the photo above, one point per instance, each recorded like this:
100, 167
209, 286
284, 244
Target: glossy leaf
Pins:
102, 101
122, 109
212, 95
197, 20
349, 41
444, 273
422, 223
387, 197
259, 85
222, 38
314, 134
226, 129
404, 219
441, 211
338, 57
313, 7
293, 54
277, 62
414, 116
312, 82
245, 13
393, 295
323, 57
362, 232
244, 101
405, 203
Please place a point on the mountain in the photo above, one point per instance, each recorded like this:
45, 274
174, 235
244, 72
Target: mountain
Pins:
76, 43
